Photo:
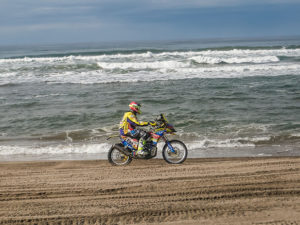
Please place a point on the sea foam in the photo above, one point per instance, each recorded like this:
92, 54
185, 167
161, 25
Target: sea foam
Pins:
55, 149
149, 66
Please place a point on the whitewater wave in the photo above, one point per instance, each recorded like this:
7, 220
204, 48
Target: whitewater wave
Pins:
234, 53
56, 149
150, 66
143, 65
102, 148
233, 60
195, 143
118, 72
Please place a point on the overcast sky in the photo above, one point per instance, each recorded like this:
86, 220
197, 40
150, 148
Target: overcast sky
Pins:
69, 21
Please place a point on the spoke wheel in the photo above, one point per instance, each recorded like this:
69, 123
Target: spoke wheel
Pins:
117, 158
176, 157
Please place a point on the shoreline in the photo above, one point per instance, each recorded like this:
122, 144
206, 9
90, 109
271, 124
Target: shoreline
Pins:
189, 159
198, 153
236, 190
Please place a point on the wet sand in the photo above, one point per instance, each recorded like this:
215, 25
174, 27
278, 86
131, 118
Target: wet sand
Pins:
200, 191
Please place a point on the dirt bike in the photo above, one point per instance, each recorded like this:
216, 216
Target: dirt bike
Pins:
174, 151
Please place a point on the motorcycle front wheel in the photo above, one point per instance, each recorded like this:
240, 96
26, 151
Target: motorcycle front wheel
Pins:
178, 156
117, 158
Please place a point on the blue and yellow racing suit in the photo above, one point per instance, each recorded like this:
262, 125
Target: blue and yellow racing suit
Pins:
129, 123
128, 128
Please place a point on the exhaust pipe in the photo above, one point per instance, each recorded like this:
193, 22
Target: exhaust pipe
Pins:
121, 149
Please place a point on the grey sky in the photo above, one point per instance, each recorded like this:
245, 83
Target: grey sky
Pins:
53, 21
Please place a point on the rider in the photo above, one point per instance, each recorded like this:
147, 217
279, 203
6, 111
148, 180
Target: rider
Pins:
129, 123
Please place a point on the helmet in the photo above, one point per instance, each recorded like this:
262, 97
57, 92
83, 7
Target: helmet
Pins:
135, 107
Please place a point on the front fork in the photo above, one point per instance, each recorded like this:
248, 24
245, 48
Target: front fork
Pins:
168, 143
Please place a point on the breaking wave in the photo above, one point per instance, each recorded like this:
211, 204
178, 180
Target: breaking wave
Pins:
95, 142
55, 149
149, 66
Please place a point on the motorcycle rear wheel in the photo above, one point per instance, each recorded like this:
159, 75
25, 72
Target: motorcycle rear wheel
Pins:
117, 158
177, 157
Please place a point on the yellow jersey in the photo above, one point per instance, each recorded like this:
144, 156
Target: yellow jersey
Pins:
129, 122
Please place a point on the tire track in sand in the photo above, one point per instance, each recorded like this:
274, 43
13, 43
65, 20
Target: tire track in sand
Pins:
208, 191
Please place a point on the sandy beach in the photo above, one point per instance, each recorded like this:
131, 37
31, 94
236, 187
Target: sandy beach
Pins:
200, 191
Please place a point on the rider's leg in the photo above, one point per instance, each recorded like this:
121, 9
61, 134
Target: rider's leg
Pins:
143, 137
141, 146
137, 134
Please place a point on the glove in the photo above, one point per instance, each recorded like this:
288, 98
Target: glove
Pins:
152, 123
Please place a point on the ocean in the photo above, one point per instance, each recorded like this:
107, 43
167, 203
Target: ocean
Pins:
225, 97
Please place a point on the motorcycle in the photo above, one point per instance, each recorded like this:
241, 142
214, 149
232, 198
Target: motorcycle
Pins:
173, 152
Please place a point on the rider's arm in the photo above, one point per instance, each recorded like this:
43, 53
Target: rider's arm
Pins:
134, 122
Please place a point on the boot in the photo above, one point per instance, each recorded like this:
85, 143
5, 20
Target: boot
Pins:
140, 150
